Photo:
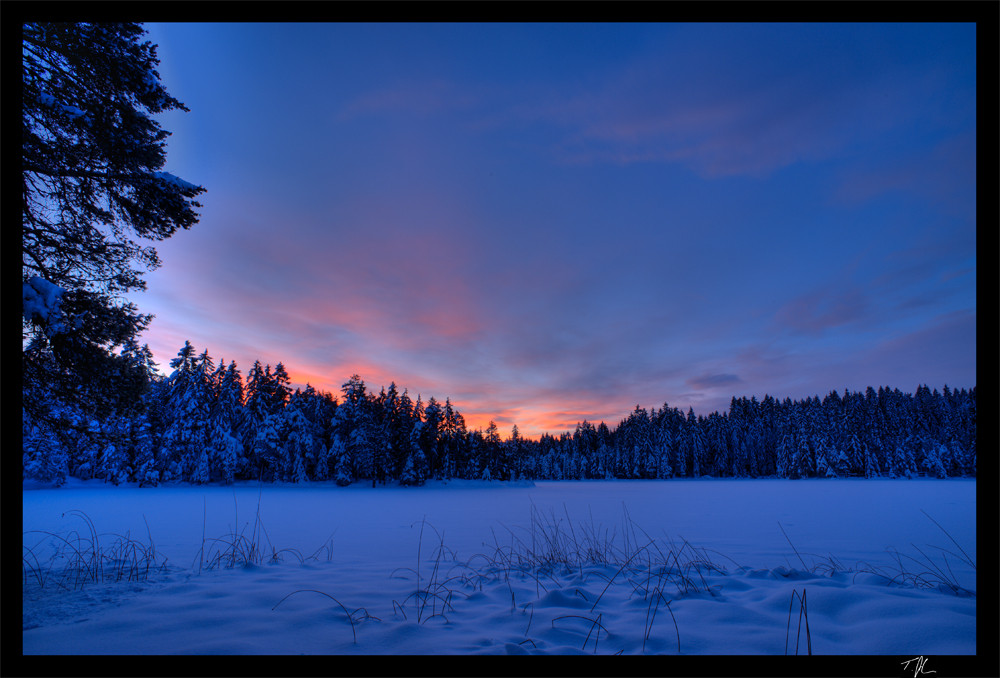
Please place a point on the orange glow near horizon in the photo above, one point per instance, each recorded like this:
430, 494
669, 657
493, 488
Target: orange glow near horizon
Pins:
531, 421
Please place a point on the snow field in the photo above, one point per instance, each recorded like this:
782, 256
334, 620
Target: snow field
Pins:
631, 567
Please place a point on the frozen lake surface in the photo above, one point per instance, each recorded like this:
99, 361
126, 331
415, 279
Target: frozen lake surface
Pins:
695, 567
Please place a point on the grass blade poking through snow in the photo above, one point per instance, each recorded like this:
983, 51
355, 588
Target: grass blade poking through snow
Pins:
804, 566
803, 612
594, 623
350, 615
968, 560
436, 591
929, 574
649, 622
657, 597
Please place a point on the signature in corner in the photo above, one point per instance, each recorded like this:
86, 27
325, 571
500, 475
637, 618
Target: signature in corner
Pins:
921, 663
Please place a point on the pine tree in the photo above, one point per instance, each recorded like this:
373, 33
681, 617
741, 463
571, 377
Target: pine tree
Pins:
839, 463
802, 464
113, 462
871, 465
146, 471
186, 437
933, 464
321, 471
397, 433
857, 456
452, 440
47, 433
300, 446
783, 456
343, 473
225, 421
278, 388
254, 414
901, 463
491, 452
269, 446
44, 459
92, 190
415, 466
823, 468
431, 436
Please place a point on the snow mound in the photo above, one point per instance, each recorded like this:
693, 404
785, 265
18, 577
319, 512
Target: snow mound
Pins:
494, 578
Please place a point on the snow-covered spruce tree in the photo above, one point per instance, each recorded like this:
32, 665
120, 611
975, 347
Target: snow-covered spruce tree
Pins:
354, 428
933, 465
663, 446
92, 189
300, 445
452, 440
857, 456
797, 457
321, 471
269, 446
278, 389
201, 460
383, 455
224, 422
396, 434
698, 443
48, 435
822, 465
783, 456
840, 466
185, 439
146, 472
409, 474
901, 463
415, 467
254, 413
44, 459
492, 463
871, 465
473, 465
570, 465
343, 471
114, 464
364, 443
718, 440
431, 436
401, 430
86, 452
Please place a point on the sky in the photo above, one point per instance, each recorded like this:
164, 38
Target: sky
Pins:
551, 223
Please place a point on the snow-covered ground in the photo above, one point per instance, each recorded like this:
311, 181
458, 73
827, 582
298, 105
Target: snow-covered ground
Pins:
699, 567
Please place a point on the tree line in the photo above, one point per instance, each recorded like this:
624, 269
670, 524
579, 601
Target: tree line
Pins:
206, 423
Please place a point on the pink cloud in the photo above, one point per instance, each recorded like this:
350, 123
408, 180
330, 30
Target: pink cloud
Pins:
818, 311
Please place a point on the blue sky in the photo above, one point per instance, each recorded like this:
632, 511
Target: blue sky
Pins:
549, 223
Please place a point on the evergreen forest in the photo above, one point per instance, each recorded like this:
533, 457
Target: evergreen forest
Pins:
206, 423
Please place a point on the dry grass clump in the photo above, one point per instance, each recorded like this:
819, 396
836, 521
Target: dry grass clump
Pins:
922, 572
552, 551
249, 549
73, 559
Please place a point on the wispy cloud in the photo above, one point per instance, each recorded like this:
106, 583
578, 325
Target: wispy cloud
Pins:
708, 381
943, 173
742, 101
820, 310
413, 98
